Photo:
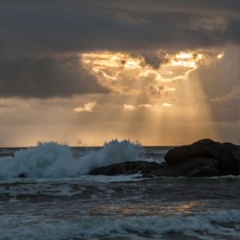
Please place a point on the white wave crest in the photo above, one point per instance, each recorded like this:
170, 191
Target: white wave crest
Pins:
53, 160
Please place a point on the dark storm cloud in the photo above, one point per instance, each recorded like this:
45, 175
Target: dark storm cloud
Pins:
33, 33
45, 78
220, 83
30, 27
223, 75
209, 6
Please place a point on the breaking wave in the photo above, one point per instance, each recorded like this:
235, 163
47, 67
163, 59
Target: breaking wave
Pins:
53, 160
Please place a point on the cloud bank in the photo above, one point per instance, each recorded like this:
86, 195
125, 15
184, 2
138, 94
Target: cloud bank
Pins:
46, 78
36, 36
33, 27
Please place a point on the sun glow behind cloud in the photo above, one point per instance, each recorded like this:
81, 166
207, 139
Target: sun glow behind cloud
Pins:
220, 55
135, 74
158, 92
114, 66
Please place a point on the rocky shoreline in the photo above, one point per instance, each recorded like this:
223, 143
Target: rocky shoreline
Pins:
204, 158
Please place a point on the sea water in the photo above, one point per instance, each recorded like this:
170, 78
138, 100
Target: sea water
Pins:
58, 199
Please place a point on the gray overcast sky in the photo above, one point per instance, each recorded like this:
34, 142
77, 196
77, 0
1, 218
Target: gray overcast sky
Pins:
42, 45
45, 27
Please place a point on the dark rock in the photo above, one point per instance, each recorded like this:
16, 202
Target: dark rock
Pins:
227, 155
177, 155
204, 158
145, 168
204, 148
22, 175
229, 159
195, 167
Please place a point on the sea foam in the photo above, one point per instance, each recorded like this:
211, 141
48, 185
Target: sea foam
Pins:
53, 160
207, 225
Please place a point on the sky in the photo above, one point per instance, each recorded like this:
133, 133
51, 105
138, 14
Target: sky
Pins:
84, 72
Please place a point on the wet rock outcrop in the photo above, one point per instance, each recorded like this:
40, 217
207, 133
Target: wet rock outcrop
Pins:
223, 157
200, 159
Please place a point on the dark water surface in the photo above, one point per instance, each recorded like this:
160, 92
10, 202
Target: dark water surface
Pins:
91, 206
120, 207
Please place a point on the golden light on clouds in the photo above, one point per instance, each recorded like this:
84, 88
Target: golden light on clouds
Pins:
128, 107
136, 74
131, 74
166, 104
185, 59
88, 107
220, 55
160, 95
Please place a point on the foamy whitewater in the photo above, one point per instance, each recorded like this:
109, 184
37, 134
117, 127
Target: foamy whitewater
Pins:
58, 200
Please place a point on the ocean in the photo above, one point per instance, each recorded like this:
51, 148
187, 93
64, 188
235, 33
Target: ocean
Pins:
46, 193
